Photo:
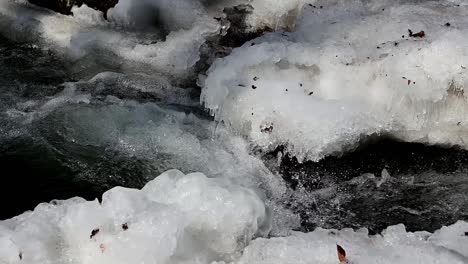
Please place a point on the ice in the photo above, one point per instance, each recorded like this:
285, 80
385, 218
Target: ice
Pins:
191, 218
275, 15
164, 35
87, 33
449, 237
344, 72
176, 218
87, 115
395, 246
348, 71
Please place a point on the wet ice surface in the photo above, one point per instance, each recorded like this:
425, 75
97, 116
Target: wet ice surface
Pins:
79, 124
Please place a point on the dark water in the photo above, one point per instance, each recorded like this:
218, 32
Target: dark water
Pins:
34, 172
36, 164
427, 187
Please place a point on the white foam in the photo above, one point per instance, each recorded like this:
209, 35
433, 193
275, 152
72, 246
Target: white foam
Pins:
164, 139
172, 139
164, 35
87, 32
155, 85
341, 76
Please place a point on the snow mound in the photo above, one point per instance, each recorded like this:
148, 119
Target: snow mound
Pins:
176, 218
179, 218
394, 246
350, 70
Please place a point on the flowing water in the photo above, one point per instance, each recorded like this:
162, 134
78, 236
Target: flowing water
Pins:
161, 135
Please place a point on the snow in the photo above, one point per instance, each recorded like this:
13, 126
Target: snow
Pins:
348, 71
191, 218
275, 15
395, 246
176, 218
343, 73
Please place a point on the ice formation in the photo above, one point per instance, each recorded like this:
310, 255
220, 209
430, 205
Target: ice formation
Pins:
163, 138
349, 70
165, 35
394, 246
176, 218
87, 32
179, 218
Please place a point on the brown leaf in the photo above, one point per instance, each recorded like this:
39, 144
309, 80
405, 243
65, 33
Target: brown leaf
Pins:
420, 34
341, 254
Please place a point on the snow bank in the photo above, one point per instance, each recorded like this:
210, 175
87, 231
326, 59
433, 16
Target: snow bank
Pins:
176, 218
345, 72
394, 246
349, 70
179, 218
